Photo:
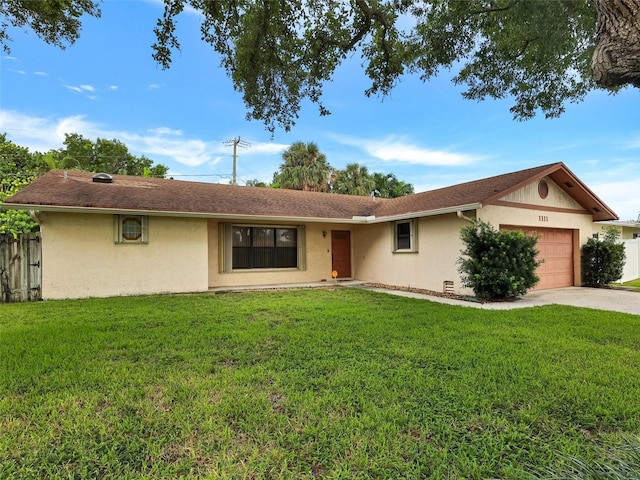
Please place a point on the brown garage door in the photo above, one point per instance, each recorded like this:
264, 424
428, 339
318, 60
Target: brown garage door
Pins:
556, 249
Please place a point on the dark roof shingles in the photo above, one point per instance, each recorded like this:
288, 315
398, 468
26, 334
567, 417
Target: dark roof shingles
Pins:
76, 189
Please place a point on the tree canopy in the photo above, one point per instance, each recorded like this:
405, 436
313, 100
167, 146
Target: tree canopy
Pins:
542, 54
57, 23
103, 155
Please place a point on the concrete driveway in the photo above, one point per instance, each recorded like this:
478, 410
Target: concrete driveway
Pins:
600, 298
624, 301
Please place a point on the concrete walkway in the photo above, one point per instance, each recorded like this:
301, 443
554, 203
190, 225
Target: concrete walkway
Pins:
599, 298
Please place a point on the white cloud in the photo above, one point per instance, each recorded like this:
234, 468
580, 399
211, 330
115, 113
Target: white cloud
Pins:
401, 150
41, 74
43, 134
80, 88
164, 131
154, 86
8, 57
113, 87
268, 148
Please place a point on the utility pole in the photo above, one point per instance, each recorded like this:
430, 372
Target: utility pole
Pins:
236, 142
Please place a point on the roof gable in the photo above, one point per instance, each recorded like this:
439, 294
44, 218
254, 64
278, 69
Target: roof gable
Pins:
555, 196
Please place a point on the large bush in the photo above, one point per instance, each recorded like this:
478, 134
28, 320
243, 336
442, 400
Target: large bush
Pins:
498, 264
603, 260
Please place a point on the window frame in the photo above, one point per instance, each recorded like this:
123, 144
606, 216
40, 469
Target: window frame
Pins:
226, 253
120, 230
398, 238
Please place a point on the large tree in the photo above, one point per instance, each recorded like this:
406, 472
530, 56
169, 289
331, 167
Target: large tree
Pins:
18, 168
108, 156
304, 167
278, 53
56, 22
540, 53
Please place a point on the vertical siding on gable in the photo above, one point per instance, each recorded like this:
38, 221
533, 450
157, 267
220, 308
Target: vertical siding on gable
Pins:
556, 198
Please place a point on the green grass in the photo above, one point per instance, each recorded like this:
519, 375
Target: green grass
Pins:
633, 283
331, 383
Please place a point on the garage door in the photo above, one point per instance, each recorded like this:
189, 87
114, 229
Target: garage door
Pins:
556, 249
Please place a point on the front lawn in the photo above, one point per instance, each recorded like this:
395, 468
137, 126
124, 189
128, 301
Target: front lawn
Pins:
331, 383
635, 284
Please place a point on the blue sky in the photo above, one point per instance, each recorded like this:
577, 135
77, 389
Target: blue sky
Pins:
107, 85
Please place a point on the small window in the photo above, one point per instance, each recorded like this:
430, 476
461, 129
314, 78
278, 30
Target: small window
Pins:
131, 229
404, 236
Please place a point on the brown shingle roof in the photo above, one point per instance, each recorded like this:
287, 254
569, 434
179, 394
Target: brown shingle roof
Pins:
76, 190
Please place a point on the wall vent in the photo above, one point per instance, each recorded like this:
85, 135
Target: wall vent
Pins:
102, 178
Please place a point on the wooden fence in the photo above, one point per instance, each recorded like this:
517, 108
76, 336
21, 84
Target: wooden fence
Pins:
20, 272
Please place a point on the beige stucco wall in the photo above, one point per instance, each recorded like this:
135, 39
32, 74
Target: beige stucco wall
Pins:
626, 232
80, 258
439, 247
318, 259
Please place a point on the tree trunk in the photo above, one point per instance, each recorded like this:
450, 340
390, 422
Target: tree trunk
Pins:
616, 59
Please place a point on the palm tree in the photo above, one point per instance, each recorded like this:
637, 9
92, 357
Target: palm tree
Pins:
304, 168
388, 186
353, 180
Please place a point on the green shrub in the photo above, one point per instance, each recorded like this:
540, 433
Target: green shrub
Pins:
498, 264
603, 260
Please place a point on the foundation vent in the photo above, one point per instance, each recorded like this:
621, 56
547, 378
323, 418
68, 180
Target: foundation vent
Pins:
447, 286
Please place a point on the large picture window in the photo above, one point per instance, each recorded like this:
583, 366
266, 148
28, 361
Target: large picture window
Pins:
264, 247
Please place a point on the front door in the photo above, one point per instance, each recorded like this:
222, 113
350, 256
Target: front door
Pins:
341, 252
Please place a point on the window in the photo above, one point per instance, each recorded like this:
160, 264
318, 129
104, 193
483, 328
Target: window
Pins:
255, 247
404, 236
131, 229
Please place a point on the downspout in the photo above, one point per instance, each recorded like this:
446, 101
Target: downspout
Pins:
464, 217
35, 216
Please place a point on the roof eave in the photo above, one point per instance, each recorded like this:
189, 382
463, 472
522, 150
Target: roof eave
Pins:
243, 217
162, 213
428, 213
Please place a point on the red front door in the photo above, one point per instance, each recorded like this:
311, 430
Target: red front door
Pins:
341, 252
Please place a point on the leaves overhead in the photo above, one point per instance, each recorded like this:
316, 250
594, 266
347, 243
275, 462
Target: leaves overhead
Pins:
56, 22
279, 54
